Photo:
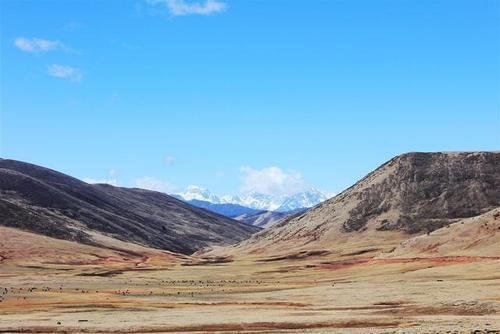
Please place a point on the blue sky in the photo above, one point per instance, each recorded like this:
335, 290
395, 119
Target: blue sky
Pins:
239, 95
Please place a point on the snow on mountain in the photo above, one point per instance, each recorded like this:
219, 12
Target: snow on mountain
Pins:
200, 194
306, 199
226, 209
286, 203
258, 201
230, 199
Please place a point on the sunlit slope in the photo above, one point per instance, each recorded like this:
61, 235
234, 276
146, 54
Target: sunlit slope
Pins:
411, 194
25, 248
475, 236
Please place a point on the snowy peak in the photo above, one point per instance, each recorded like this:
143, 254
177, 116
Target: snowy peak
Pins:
306, 199
230, 199
200, 194
258, 201
283, 203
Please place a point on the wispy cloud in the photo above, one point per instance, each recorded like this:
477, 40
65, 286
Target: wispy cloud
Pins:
182, 7
36, 45
74, 25
110, 179
90, 180
271, 181
151, 183
169, 160
64, 72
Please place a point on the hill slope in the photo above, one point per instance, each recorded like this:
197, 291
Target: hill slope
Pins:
44, 201
410, 194
259, 218
475, 236
228, 210
265, 219
20, 247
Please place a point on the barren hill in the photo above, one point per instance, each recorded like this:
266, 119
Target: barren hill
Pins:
47, 202
20, 248
413, 193
474, 236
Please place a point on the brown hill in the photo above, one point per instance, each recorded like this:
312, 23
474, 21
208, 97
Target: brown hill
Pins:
413, 193
475, 236
23, 248
47, 202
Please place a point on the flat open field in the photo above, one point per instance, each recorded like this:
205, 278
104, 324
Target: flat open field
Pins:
317, 294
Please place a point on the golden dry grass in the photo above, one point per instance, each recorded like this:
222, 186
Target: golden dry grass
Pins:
305, 295
53, 286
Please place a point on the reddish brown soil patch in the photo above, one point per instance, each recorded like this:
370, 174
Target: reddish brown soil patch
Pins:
434, 261
391, 303
110, 273
296, 256
209, 260
273, 304
363, 251
342, 264
463, 309
254, 326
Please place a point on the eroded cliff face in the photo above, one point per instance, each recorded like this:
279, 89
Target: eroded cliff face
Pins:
429, 189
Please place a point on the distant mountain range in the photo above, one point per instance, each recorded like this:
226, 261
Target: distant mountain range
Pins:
256, 201
253, 208
228, 210
259, 218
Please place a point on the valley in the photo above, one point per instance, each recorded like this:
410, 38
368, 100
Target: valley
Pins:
328, 293
414, 247
249, 167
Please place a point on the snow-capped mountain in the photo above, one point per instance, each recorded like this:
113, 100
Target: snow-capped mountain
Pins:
258, 201
229, 210
200, 194
306, 199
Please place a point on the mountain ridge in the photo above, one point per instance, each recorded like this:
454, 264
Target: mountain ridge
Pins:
411, 194
257, 201
44, 201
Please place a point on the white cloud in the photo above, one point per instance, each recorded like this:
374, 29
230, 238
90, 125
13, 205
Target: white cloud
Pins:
35, 45
271, 181
331, 195
182, 7
110, 179
112, 182
169, 160
64, 72
151, 183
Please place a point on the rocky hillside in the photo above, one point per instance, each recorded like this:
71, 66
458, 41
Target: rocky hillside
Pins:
47, 202
474, 236
263, 219
413, 193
